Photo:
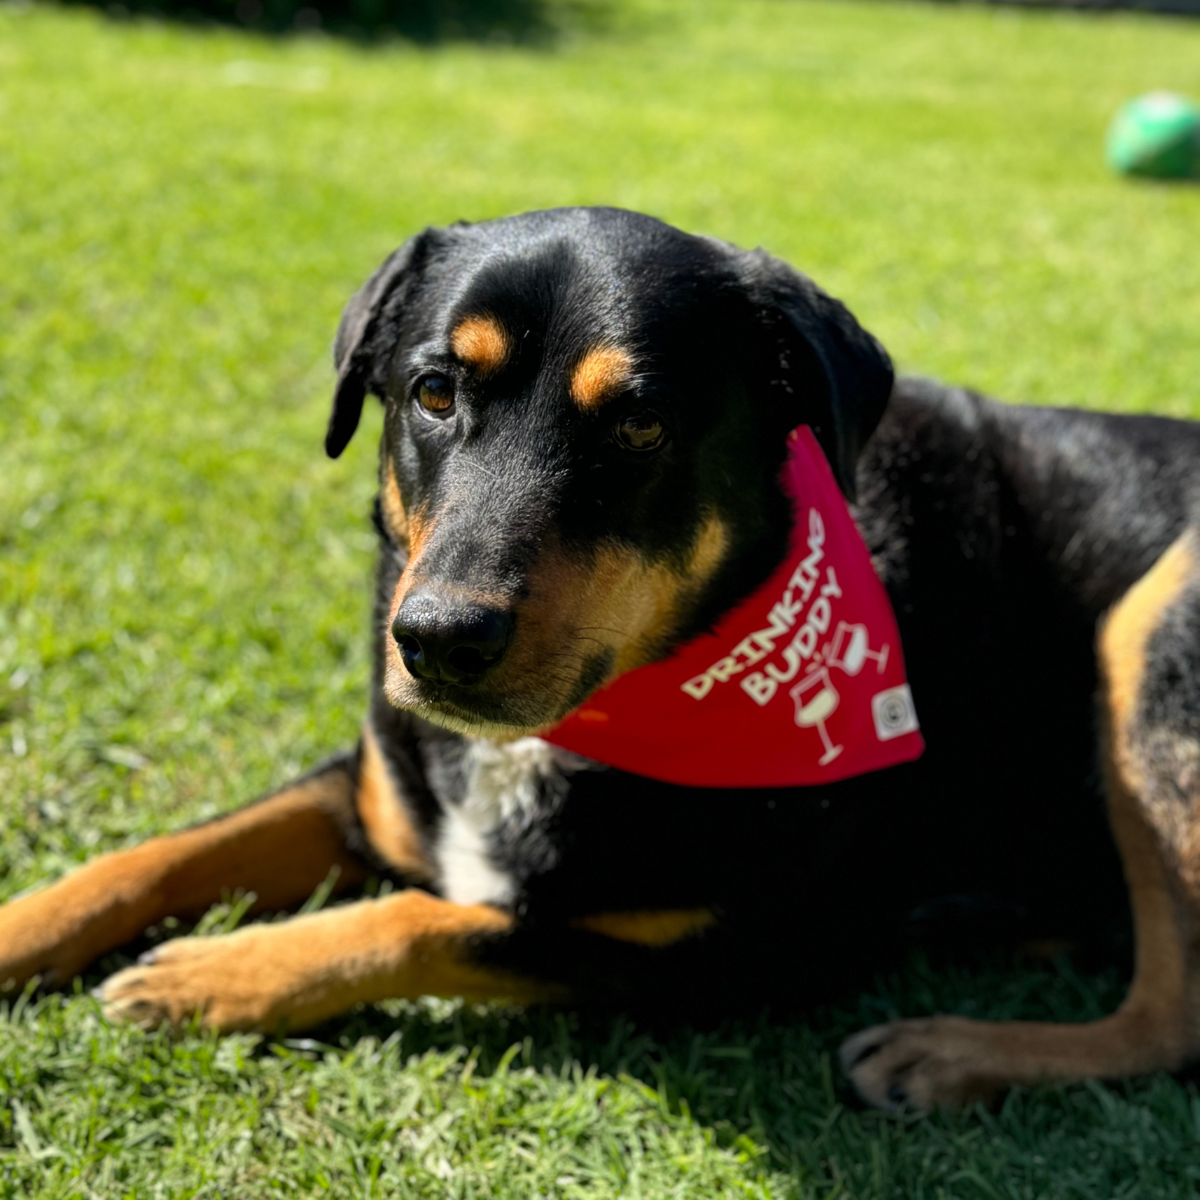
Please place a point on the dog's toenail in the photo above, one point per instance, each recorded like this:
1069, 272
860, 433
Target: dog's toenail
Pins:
149, 958
897, 1095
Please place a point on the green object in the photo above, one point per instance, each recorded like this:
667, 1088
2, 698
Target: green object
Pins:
1157, 135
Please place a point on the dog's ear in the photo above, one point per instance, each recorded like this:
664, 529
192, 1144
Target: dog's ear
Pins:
835, 377
356, 349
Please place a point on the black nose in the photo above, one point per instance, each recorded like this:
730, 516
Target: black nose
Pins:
449, 642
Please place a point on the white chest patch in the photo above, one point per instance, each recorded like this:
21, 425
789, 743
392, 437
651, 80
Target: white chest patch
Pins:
502, 780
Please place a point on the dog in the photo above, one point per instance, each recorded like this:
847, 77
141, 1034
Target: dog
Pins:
586, 416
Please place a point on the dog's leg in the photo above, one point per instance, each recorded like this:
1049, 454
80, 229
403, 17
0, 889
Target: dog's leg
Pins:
279, 848
300, 972
1150, 658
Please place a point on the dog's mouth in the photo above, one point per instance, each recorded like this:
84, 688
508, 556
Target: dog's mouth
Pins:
468, 710
506, 705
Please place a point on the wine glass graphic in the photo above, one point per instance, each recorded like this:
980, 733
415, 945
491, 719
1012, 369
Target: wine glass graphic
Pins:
816, 698
850, 649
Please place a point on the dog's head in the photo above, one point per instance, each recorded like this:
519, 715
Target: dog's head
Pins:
585, 420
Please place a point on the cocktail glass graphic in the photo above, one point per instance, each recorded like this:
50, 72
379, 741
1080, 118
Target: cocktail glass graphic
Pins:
850, 649
816, 698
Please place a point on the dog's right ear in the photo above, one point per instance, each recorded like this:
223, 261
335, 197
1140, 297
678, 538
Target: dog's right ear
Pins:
355, 349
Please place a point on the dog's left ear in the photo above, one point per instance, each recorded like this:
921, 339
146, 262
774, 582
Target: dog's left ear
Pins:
835, 376
355, 349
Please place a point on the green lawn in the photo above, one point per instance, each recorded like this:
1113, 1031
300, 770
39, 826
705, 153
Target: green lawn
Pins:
183, 576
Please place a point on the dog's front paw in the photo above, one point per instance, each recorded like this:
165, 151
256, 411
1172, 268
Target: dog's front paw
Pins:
227, 981
264, 977
920, 1065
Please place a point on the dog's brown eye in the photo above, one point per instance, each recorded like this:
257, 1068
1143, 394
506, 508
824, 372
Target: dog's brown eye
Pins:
641, 431
436, 395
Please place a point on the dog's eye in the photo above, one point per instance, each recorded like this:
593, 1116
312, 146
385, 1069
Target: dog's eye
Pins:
435, 394
641, 431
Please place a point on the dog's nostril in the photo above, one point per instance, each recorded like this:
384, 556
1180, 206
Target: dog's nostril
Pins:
411, 651
468, 660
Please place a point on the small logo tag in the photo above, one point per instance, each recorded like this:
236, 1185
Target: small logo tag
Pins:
894, 713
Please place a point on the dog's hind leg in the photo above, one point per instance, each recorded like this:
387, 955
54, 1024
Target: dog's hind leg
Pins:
280, 848
1149, 651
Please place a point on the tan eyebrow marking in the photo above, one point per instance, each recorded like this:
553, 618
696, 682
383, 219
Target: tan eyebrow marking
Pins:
598, 374
481, 341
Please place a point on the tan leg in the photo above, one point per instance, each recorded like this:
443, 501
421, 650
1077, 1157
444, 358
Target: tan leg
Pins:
280, 849
298, 973
950, 1061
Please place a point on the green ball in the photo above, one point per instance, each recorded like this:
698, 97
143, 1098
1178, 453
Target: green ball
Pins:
1158, 135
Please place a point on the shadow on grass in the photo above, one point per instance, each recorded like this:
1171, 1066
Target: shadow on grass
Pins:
427, 22
765, 1085
766, 1088
771, 1079
760, 1071
762, 1089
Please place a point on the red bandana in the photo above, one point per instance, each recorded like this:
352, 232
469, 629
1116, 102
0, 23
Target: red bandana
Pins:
803, 682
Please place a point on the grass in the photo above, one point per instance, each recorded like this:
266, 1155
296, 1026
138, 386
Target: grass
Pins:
183, 594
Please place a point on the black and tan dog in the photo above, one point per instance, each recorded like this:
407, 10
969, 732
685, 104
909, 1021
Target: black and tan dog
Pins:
585, 423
